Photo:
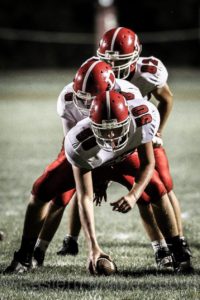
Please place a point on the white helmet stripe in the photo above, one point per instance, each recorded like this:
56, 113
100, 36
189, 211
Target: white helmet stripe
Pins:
136, 42
108, 104
108, 79
114, 38
87, 75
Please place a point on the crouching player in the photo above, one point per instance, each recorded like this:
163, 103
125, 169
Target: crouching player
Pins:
96, 146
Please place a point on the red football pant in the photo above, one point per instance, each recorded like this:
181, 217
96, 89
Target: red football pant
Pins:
57, 181
162, 166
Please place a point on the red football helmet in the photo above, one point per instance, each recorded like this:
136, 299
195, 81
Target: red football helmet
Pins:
110, 120
93, 77
121, 48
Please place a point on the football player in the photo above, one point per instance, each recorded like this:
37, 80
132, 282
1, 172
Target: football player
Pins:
93, 77
57, 181
120, 47
65, 105
69, 101
100, 148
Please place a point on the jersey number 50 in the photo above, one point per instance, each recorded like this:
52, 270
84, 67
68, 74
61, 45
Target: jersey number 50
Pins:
141, 115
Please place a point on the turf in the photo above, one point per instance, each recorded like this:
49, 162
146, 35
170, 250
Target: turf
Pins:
31, 137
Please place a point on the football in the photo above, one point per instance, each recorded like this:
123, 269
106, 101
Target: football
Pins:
105, 267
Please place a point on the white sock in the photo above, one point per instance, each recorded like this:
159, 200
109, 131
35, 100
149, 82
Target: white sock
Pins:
42, 244
158, 244
74, 237
182, 238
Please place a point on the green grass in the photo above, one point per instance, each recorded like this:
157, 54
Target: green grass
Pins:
31, 137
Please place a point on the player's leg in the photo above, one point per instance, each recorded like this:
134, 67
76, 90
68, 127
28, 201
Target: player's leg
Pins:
177, 210
51, 223
149, 221
162, 166
34, 218
165, 217
70, 244
162, 254
57, 178
123, 173
50, 226
166, 221
156, 190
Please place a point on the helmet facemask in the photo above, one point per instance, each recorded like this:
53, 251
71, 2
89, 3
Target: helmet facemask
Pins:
83, 101
111, 135
120, 63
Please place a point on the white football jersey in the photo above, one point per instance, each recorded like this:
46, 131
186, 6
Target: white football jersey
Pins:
128, 89
66, 109
82, 150
150, 73
69, 113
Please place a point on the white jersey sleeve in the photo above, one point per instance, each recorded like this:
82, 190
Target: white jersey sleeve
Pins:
150, 73
66, 109
80, 144
63, 101
128, 89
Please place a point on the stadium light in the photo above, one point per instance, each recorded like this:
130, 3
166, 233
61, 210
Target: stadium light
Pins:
105, 3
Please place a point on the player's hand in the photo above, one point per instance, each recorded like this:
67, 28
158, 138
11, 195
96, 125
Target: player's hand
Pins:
157, 140
124, 204
99, 196
95, 254
100, 192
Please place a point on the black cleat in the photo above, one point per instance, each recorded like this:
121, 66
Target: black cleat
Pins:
184, 267
38, 257
181, 258
164, 259
69, 247
19, 265
186, 246
182, 262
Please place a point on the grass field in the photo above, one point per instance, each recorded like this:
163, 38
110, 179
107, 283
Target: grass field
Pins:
31, 136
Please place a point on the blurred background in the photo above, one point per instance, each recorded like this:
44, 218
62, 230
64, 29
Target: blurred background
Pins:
53, 34
42, 43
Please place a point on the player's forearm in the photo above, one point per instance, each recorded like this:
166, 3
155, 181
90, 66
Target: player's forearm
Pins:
165, 98
164, 109
86, 212
84, 190
147, 165
142, 180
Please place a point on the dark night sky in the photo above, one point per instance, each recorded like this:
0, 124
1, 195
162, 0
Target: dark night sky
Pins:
78, 16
